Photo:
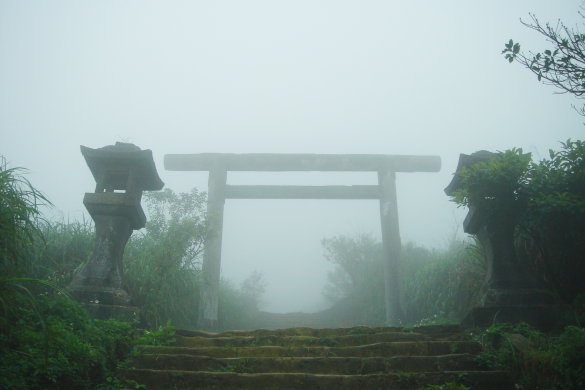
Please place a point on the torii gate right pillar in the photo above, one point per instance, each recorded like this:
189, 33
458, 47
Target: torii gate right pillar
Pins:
391, 246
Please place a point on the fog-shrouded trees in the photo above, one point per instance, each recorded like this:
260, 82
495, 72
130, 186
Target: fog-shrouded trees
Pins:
437, 285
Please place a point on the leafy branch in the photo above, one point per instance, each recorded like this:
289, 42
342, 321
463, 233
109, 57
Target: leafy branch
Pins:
562, 66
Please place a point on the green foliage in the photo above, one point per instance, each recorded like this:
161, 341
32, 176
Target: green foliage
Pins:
57, 346
164, 335
562, 65
556, 188
543, 362
569, 357
162, 263
495, 184
553, 226
241, 366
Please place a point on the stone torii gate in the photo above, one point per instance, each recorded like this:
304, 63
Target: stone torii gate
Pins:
218, 164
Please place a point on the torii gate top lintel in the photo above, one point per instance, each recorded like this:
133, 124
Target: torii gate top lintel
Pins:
274, 162
218, 164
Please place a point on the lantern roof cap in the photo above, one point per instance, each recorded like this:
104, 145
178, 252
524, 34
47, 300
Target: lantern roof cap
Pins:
124, 155
467, 160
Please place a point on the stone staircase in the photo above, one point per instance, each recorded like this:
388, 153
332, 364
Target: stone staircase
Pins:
304, 358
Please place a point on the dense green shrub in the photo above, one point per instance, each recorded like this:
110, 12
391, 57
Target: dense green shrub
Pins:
553, 226
547, 202
569, 357
53, 344
538, 361
495, 185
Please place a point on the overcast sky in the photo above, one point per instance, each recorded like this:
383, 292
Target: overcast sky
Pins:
383, 77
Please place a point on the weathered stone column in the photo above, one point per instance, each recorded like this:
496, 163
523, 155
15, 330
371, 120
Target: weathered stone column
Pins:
391, 246
209, 303
100, 281
122, 172
508, 282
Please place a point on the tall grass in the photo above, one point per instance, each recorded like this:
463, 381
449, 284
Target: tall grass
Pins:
443, 284
19, 217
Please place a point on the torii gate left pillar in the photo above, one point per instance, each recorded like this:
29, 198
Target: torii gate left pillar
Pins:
219, 164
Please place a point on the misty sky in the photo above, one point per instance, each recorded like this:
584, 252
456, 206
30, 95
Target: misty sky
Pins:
383, 77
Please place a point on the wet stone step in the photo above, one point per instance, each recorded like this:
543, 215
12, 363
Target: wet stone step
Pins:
264, 340
189, 380
435, 331
359, 358
314, 365
412, 348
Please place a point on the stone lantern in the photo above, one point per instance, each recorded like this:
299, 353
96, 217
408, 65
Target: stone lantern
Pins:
513, 294
121, 171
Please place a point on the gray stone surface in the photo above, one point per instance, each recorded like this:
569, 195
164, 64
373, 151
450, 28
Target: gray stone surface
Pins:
302, 162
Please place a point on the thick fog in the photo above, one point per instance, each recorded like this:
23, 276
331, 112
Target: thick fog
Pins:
379, 77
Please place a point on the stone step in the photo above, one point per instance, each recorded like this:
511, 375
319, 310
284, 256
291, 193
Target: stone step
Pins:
411, 348
435, 331
191, 380
282, 340
312, 365
357, 358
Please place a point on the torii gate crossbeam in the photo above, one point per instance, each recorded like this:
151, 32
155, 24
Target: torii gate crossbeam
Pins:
218, 164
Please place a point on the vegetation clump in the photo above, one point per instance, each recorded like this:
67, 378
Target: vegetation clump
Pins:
537, 360
547, 199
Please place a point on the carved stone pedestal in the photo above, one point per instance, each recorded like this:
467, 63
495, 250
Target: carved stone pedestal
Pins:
98, 286
513, 293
